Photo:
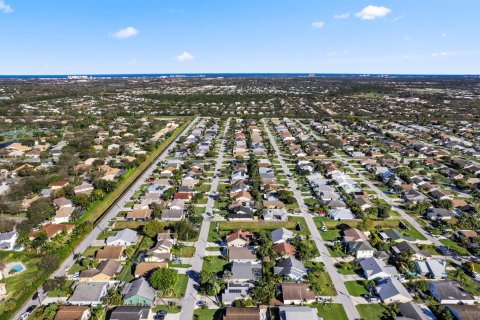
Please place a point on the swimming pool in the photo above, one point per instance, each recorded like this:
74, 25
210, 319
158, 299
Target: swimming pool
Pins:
17, 268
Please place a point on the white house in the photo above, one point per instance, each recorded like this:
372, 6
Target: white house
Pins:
125, 237
7, 240
374, 268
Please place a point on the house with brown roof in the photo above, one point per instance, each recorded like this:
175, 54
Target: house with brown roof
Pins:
110, 252
243, 313
139, 215
284, 249
51, 230
73, 313
296, 293
105, 271
239, 238
143, 269
58, 184
353, 234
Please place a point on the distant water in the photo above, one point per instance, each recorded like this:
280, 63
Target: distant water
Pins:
230, 75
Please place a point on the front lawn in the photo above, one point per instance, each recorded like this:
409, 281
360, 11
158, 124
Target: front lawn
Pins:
183, 251
330, 235
331, 311
356, 288
214, 263
209, 314
179, 288
373, 311
452, 245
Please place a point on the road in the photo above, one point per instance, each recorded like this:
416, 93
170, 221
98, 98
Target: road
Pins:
390, 201
343, 296
112, 212
191, 295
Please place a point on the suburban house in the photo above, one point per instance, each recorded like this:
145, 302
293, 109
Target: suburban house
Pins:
432, 268
450, 292
391, 290
245, 272
104, 272
125, 237
139, 215
130, 313
7, 240
296, 293
160, 252
173, 214
411, 310
374, 268
143, 269
407, 247
281, 235
290, 267
439, 214
341, 214
297, 312
242, 254
110, 252
88, 293
284, 249
236, 291
138, 292
353, 235
72, 312
275, 214
245, 313
361, 249
239, 238
464, 311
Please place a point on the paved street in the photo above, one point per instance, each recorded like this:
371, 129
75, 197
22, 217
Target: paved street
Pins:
92, 236
392, 202
191, 296
343, 296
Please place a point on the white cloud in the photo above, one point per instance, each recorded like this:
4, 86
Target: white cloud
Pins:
5, 8
373, 12
342, 16
318, 24
443, 54
185, 56
443, 35
126, 33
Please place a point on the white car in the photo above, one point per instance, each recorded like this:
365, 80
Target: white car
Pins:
24, 316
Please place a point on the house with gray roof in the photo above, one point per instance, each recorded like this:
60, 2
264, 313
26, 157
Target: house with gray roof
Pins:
433, 268
391, 290
290, 267
281, 235
297, 312
138, 292
125, 237
130, 313
236, 291
88, 293
7, 240
450, 292
374, 268
245, 272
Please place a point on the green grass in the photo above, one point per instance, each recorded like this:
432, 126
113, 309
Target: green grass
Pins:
208, 314
65, 291
96, 211
330, 235
169, 309
179, 265
452, 245
373, 311
412, 232
213, 248
214, 263
356, 288
331, 311
179, 288
184, 251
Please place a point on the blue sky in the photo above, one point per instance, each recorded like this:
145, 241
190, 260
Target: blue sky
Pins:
179, 36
